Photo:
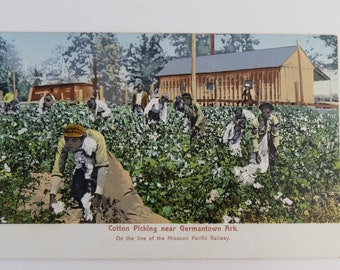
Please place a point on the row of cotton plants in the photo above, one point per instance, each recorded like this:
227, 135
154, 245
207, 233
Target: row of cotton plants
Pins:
185, 182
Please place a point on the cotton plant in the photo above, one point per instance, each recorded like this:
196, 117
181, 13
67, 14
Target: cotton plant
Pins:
285, 201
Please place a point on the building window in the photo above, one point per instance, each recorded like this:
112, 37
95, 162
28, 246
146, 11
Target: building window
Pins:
210, 86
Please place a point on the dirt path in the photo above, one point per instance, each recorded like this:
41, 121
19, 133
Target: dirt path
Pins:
41, 197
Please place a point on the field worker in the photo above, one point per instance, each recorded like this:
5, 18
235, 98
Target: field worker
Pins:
45, 104
265, 126
178, 104
11, 104
156, 109
235, 129
248, 95
108, 194
99, 109
194, 114
265, 139
139, 98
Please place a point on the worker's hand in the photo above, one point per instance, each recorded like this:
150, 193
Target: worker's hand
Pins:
96, 201
257, 158
52, 201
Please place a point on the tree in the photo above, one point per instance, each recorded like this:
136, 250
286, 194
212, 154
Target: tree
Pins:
145, 60
34, 76
230, 43
9, 63
331, 42
238, 43
182, 44
5, 82
104, 49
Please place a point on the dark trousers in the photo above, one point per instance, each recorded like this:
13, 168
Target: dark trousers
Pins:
80, 185
272, 155
152, 116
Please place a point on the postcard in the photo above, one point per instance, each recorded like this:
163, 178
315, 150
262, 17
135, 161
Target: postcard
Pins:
234, 146
169, 145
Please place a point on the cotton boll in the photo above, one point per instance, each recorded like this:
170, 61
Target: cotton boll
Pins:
89, 146
58, 207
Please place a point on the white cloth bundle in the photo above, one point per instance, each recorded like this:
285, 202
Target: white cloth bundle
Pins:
246, 174
235, 148
86, 201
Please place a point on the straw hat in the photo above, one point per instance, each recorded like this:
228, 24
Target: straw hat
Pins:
9, 97
74, 131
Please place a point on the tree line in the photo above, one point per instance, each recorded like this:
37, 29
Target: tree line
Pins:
117, 65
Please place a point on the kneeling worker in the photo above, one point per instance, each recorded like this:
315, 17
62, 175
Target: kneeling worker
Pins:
98, 173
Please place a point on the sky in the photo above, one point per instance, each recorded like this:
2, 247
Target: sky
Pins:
35, 47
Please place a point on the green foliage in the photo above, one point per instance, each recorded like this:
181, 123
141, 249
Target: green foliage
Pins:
238, 43
80, 55
175, 177
145, 60
230, 42
331, 42
9, 62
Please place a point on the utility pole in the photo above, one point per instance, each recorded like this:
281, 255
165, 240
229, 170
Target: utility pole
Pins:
95, 79
300, 71
212, 44
15, 92
193, 66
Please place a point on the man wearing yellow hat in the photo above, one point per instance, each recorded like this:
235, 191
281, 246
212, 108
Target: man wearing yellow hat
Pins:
98, 173
11, 105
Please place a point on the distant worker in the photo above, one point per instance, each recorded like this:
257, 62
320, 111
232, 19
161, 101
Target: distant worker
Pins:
45, 104
233, 133
178, 104
11, 104
156, 110
265, 139
266, 132
194, 114
139, 98
248, 95
99, 109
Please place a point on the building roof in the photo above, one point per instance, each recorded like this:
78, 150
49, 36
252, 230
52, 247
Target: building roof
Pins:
319, 75
266, 58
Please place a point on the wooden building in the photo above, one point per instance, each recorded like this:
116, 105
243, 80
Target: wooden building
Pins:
282, 75
65, 91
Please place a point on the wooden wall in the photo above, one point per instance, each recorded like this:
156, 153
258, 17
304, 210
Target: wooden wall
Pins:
297, 79
226, 87
69, 92
293, 83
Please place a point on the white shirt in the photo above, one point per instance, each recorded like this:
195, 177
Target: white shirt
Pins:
41, 109
157, 107
102, 108
139, 98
